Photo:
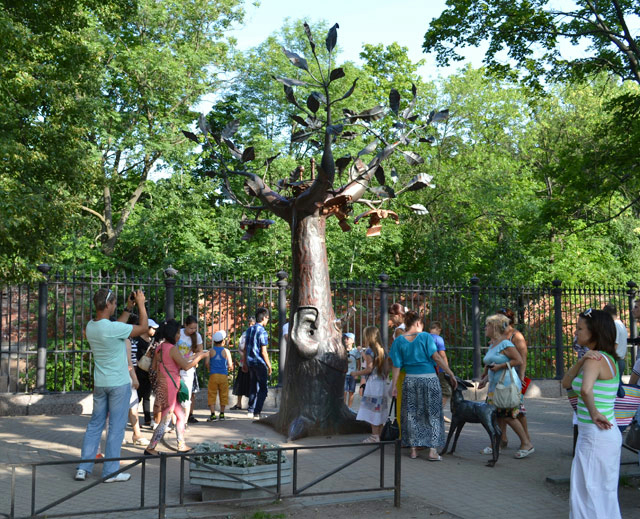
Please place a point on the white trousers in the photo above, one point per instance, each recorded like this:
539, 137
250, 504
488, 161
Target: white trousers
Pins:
594, 473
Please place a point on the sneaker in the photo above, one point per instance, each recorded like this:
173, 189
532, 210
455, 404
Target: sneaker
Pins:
213, 417
123, 476
250, 414
222, 416
81, 475
192, 419
153, 425
256, 417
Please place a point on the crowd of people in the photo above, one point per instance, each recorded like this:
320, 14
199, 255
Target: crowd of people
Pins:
135, 358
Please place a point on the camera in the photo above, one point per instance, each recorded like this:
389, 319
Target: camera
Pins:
132, 296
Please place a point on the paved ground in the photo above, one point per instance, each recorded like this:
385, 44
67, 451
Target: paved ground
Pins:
460, 486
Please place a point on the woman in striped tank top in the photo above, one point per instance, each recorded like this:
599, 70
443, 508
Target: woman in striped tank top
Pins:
596, 464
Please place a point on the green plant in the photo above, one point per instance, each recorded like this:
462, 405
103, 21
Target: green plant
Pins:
236, 455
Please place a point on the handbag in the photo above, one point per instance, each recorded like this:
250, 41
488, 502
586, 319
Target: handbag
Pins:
632, 439
183, 391
506, 397
390, 431
144, 362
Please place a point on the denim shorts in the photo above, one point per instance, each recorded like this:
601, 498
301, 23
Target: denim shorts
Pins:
350, 384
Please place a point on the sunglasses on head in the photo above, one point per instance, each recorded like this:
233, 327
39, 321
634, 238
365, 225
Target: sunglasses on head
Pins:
587, 312
106, 299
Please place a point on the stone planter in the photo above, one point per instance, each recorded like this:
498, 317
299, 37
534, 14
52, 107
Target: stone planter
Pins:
217, 485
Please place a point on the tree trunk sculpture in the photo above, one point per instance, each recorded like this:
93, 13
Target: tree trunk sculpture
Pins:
312, 400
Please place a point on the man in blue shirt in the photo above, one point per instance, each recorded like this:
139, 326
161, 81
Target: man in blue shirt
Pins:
256, 360
111, 379
435, 329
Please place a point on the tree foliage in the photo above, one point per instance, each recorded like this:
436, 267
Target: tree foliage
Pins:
531, 32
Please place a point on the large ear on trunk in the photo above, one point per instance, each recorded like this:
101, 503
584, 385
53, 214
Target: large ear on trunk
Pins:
304, 331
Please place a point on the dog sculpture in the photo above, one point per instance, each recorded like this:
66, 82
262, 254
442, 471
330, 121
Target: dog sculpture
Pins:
463, 411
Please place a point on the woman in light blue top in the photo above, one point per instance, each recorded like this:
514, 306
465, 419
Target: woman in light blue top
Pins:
422, 421
596, 464
500, 360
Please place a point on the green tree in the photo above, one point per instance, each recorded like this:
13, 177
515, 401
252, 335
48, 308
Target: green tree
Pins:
532, 32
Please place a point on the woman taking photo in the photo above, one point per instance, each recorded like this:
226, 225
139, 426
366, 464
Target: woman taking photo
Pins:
190, 343
168, 361
373, 406
422, 420
499, 362
596, 465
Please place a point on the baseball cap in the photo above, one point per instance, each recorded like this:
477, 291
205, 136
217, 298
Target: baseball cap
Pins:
350, 335
153, 324
219, 336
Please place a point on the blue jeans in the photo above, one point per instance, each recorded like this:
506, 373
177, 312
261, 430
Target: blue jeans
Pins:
114, 402
258, 385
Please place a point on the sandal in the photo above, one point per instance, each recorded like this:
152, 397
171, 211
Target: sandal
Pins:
413, 455
438, 458
523, 453
372, 439
142, 442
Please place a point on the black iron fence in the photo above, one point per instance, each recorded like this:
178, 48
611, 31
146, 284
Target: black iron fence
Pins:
42, 343
26, 502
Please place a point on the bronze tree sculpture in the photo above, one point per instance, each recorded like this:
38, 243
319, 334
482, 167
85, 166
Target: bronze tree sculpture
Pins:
312, 396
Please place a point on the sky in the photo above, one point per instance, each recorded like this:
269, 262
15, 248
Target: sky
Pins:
361, 21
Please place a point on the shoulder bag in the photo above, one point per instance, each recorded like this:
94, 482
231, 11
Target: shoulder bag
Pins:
390, 431
633, 434
506, 397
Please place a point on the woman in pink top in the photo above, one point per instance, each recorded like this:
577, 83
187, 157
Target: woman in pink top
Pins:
167, 363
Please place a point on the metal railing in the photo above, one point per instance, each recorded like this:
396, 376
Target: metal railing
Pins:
163, 499
42, 346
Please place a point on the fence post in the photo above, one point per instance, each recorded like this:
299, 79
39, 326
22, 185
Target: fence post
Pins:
475, 327
384, 309
43, 296
557, 310
169, 295
282, 318
633, 327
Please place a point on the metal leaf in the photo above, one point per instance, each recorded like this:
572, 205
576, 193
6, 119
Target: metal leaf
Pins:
296, 60
394, 175
419, 209
336, 73
373, 114
431, 139
301, 136
248, 154
342, 163
299, 120
369, 148
191, 136
232, 148
394, 101
412, 158
332, 37
312, 103
349, 136
268, 161
349, 92
307, 31
335, 129
288, 92
380, 175
383, 191
290, 82
387, 151
203, 124
421, 180
406, 113
443, 115
357, 169
230, 129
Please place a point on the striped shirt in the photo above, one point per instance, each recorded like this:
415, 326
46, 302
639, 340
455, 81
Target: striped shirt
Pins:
604, 395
